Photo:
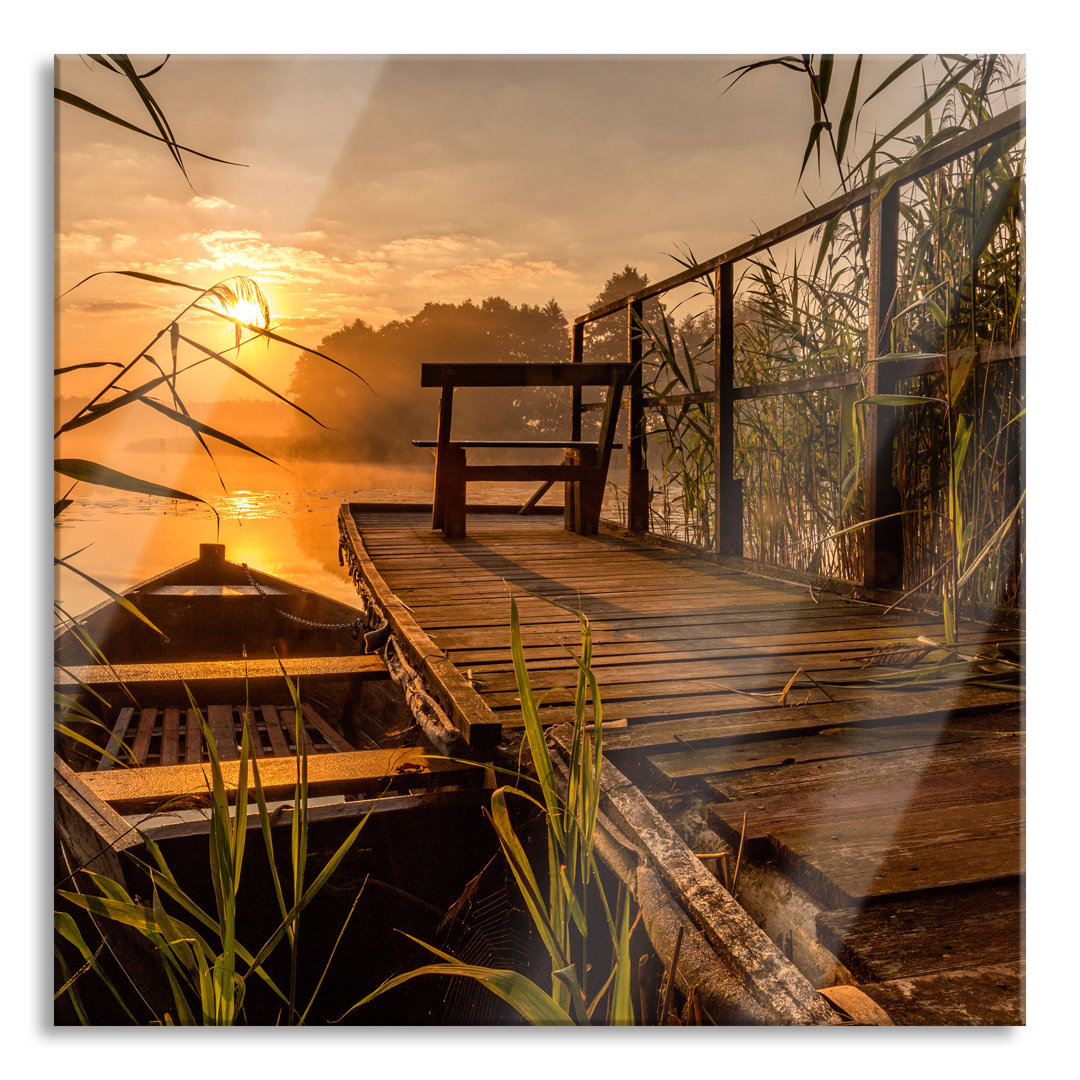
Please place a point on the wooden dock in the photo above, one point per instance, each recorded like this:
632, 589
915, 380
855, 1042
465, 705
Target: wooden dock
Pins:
883, 836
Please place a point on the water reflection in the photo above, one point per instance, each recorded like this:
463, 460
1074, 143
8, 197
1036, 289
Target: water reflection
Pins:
289, 529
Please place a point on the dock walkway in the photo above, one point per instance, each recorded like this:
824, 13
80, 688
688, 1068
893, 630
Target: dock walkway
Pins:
890, 809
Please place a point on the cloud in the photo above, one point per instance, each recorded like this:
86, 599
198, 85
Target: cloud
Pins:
114, 307
210, 202
490, 272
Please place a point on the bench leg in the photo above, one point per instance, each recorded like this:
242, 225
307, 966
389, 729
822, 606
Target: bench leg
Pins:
438, 498
570, 493
453, 492
584, 496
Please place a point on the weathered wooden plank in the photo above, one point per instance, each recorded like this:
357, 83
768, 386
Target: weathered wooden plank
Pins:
193, 738
990, 995
170, 737
495, 655
682, 765
513, 473
359, 772
313, 720
827, 806
940, 931
279, 744
903, 853
143, 734
521, 374
902, 769
116, 738
310, 667
663, 673
509, 444
931, 705
219, 718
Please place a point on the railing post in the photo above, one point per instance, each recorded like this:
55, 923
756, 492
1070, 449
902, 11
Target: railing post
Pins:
577, 354
728, 533
883, 541
637, 469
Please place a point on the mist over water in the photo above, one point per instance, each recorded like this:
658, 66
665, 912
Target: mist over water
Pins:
284, 523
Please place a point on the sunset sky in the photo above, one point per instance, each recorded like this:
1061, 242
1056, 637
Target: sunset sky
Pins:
371, 185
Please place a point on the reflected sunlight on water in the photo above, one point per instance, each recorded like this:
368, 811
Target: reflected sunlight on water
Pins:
288, 528
284, 524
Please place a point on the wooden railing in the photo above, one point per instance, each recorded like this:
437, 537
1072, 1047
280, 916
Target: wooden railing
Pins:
880, 202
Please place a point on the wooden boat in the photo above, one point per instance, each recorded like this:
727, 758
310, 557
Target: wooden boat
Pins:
219, 638
224, 636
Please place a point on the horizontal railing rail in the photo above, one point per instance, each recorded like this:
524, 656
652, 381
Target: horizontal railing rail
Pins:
1008, 123
898, 367
882, 540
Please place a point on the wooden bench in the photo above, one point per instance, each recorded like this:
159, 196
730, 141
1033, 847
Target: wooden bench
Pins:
584, 466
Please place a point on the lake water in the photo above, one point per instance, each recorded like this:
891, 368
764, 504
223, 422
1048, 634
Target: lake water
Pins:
283, 523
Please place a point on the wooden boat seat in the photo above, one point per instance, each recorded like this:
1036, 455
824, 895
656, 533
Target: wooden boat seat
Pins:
584, 466
215, 680
362, 773
201, 671
172, 736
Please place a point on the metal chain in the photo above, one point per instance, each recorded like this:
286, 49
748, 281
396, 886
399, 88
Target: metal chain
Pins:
356, 626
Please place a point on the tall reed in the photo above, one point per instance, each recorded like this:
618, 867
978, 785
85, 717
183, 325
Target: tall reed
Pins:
802, 312
564, 913
202, 961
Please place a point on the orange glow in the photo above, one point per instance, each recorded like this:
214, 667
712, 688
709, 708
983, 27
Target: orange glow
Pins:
246, 312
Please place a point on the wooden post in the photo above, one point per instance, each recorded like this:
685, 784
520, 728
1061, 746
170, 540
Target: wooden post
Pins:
453, 497
577, 354
438, 501
728, 534
883, 542
637, 469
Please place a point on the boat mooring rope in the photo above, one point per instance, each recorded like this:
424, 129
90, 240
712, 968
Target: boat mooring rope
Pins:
427, 712
356, 626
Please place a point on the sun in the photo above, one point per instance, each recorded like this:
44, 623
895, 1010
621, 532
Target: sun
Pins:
247, 312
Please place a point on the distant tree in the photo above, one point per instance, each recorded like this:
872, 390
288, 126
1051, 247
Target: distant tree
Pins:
380, 427
605, 339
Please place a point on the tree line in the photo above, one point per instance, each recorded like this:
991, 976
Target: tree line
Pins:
378, 426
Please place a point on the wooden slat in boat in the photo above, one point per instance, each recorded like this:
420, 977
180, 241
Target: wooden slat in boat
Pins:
307, 668
358, 772
141, 746
119, 731
279, 744
219, 718
170, 737
192, 738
